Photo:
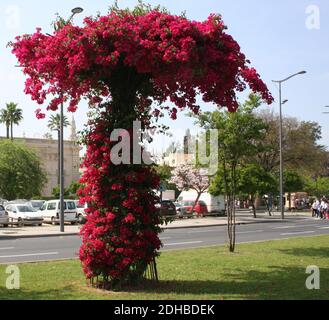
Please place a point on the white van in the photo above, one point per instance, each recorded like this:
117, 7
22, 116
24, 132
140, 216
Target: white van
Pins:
215, 204
50, 211
81, 208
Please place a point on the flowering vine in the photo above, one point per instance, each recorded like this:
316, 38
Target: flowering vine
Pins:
130, 65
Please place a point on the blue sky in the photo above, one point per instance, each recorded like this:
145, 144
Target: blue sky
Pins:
272, 33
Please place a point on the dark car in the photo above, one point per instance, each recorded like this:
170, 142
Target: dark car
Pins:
166, 208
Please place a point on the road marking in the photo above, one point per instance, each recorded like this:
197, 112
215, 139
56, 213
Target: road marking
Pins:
180, 243
297, 226
294, 233
245, 232
30, 255
9, 248
323, 228
168, 238
286, 227
204, 231
307, 225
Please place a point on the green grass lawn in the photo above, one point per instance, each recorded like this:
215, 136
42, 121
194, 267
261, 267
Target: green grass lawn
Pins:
267, 270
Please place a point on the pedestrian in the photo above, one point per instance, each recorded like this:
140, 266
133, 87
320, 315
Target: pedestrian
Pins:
315, 208
326, 211
323, 207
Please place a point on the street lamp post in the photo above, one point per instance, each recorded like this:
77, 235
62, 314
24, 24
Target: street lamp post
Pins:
62, 186
281, 138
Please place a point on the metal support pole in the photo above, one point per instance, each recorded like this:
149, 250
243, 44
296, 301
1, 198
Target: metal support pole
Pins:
282, 204
62, 170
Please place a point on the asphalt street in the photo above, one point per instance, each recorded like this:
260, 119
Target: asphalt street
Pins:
56, 248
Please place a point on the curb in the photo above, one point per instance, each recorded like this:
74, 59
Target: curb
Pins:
29, 236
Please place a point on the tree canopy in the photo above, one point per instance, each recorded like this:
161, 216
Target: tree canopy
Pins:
21, 175
301, 149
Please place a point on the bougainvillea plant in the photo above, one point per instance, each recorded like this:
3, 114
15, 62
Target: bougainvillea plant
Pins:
130, 64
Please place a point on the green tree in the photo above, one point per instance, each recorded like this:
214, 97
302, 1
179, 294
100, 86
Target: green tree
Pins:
255, 181
21, 175
5, 119
69, 192
237, 136
293, 182
54, 124
11, 116
301, 149
317, 187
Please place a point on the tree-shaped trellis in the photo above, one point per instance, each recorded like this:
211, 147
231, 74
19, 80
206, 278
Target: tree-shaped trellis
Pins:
130, 64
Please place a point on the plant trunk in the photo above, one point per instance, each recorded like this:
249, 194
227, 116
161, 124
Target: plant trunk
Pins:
59, 151
12, 131
268, 208
231, 225
196, 202
254, 210
8, 136
252, 200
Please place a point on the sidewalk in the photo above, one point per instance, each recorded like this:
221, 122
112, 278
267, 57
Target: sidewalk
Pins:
242, 218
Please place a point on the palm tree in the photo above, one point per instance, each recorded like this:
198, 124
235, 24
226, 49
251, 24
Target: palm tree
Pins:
16, 116
4, 118
10, 116
54, 124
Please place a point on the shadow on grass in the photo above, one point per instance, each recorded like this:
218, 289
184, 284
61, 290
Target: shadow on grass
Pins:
309, 252
63, 293
281, 283
277, 283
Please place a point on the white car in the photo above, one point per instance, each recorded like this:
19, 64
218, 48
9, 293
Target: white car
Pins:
4, 219
50, 211
81, 212
23, 214
37, 204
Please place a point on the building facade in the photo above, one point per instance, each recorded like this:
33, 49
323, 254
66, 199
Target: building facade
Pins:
47, 151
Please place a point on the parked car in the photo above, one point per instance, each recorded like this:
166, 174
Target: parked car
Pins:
23, 214
4, 219
17, 201
186, 208
36, 204
50, 211
3, 202
81, 212
166, 208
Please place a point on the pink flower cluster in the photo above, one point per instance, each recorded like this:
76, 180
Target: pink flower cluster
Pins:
181, 58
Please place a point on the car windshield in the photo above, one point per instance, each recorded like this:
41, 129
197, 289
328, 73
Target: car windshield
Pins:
2, 208
25, 209
37, 204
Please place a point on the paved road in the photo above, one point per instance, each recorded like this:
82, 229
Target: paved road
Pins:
55, 248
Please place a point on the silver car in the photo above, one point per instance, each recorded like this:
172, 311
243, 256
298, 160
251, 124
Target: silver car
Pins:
4, 219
